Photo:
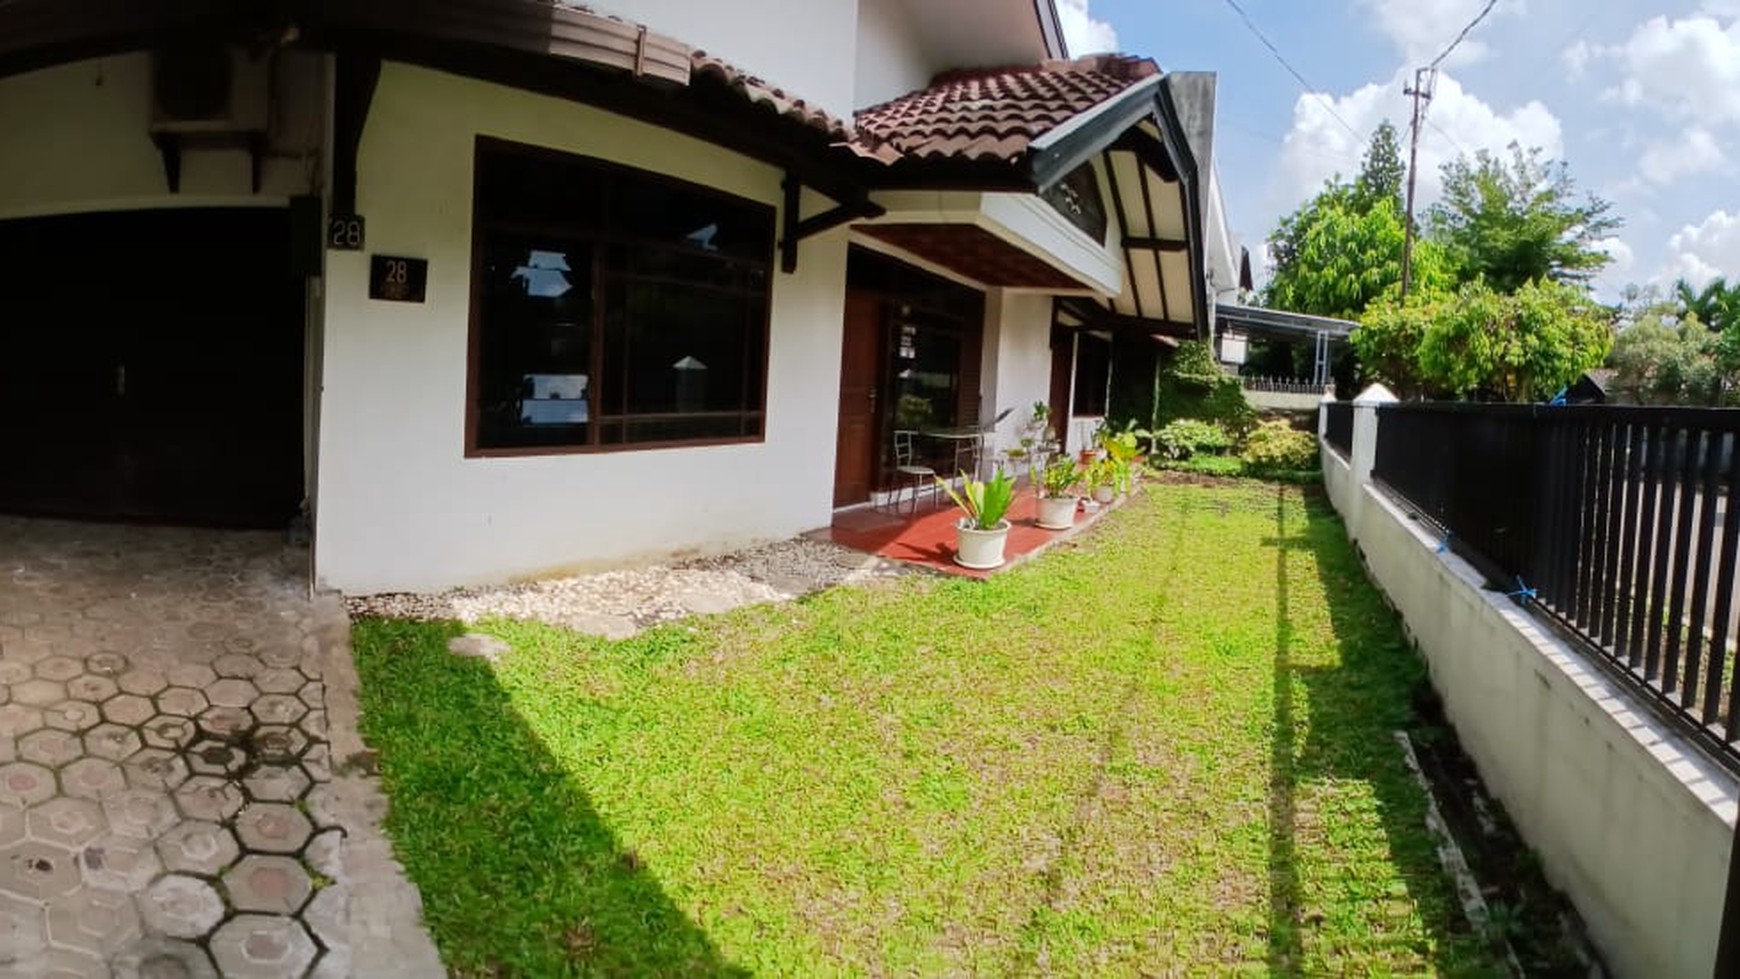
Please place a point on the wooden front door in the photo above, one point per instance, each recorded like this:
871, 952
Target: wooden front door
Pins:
855, 452
151, 367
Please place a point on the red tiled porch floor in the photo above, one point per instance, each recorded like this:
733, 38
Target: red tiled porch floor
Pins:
927, 538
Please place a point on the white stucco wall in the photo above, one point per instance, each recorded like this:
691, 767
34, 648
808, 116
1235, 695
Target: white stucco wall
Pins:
77, 138
402, 508
1631, 821
891, 60
807, 48
1016, 360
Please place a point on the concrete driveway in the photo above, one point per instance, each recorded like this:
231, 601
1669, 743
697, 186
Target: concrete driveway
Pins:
182, 790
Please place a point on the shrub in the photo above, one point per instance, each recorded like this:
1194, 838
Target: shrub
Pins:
1276, 446
1192, 385
1187, 437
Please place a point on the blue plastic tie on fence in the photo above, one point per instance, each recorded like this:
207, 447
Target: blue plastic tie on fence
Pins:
1524, 591
1443, 545
1559, 399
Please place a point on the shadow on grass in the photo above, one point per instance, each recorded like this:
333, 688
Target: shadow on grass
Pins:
1353, 709
519, 875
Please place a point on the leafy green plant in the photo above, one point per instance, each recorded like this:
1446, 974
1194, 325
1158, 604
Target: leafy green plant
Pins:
1060, 477
1276, 446
984, 501
1187, 437
1192, 385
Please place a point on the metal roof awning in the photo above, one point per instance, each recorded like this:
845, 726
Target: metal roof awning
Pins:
1279, 322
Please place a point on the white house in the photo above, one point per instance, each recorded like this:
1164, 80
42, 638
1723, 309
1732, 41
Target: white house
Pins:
489, 289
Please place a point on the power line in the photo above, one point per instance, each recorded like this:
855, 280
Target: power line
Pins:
1471, 25
1309, 88
1442, 132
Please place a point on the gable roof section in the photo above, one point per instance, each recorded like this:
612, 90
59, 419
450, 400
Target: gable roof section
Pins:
993, 115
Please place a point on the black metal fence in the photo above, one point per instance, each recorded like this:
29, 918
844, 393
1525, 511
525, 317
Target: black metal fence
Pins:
1622, 524
1338, 426
1280, 385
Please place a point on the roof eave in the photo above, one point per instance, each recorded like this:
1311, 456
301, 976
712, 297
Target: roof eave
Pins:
1054, 155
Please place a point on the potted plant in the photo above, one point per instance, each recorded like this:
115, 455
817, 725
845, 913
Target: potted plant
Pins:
1057, 499
1100, 478
982, 533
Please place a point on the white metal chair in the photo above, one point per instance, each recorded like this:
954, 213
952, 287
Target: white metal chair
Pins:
907, 466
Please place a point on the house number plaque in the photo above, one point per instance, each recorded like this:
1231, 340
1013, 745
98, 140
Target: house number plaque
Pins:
344, 232
395, 279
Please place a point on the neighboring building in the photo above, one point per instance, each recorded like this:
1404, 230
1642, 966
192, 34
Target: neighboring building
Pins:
608, 296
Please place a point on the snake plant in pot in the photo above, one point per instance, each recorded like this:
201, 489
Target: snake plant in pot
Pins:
1057, 498
981, 535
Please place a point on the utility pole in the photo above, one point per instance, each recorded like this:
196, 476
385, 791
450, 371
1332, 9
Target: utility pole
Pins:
1424, 81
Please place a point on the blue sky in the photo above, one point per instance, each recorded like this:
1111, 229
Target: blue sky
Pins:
1642, 99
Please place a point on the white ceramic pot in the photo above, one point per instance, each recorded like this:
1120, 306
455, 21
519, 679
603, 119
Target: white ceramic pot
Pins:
1104, 495
980, 550
1057, 512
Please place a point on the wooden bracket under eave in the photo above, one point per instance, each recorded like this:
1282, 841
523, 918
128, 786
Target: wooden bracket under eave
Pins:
796, 230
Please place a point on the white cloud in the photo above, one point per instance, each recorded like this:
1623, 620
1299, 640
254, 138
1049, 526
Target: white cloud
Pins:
1420, 29
1082, 34
1577, 57
1695, 151
1700, 252
1317, 147
1690, 67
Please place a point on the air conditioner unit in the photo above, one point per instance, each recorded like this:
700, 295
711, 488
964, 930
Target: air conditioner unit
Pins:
199, 89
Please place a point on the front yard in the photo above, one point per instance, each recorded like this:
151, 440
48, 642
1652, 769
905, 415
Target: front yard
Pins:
1163, 749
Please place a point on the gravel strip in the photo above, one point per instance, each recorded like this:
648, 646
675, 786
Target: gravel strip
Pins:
617, 604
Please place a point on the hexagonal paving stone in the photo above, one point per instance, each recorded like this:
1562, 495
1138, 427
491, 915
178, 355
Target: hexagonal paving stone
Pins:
181, 701
325, 853
140, 813
317, 762
50, 748
166, 731
112, 742
216, 758
314, 722
16, 719
107, 663
278, 742
209, 797
37, 870
238, 665
23, 784
91, 688
11, 825
60, 668
128, 708
119, 862
155, 768
23, 929
260, 945
278, 708
69, 822
279, 679
276, 783
325, 918
39, 692
285, 654
95, 920
194, 675
272, 827
13, 671
164, 958
72, 715
226, 723
181, 906
143, 682
313, 694
231, 692
92, 778
198, 847
272, 885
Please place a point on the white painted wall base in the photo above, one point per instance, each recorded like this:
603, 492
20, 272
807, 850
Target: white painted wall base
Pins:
1630, 820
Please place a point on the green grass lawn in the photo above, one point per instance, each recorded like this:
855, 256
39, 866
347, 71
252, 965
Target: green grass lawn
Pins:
1164, 749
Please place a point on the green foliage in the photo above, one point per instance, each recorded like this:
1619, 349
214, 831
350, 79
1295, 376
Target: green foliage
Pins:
1188, 437
1716, 305
1520, 347
1382, 172
1276, 446
1387, 342
1060, 477
1660, 361
1334, 259
1519, 221
1192, 385
984, 502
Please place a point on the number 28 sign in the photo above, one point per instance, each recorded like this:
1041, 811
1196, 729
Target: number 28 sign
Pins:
398, 279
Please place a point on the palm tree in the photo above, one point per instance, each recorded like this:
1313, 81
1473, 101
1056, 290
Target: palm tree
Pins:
1715, 306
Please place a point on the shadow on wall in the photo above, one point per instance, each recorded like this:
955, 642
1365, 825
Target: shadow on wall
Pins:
1333, 724
473, 837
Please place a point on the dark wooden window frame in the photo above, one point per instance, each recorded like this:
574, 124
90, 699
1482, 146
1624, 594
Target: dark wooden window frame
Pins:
481, 225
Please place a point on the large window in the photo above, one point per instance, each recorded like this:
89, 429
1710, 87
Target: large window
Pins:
1093, 374
613, 308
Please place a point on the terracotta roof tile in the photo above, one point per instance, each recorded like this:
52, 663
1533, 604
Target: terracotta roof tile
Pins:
993, 114
768, 96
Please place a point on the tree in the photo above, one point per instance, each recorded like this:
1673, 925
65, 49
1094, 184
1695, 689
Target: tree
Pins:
1381, 173
1522, 346
1717, 305
1333, 258
1519, 221
1387, 342
1662, 359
